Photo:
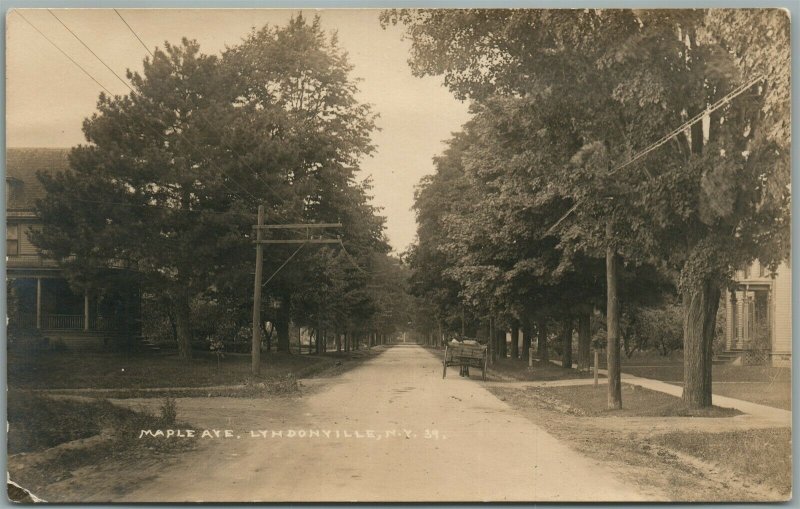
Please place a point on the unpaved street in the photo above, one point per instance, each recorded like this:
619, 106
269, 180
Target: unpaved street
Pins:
382, 411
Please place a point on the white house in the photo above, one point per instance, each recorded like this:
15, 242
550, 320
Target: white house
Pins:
759, 315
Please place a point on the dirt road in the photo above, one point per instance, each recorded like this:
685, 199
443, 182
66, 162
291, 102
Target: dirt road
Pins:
390, 430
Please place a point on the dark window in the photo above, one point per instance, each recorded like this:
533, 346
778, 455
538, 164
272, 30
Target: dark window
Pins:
12, 240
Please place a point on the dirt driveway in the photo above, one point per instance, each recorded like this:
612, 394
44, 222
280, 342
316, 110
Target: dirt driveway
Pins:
390, 430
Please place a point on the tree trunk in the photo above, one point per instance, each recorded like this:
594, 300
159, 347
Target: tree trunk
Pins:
700, 314
584, 342
282, 325
612, 322
501, 338
515, 341
183, 324
527, 338
544, 355
566, 343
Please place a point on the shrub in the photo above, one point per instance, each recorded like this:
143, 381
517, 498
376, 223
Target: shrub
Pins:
168, 412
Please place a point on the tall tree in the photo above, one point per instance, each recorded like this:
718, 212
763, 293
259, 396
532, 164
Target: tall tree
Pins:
177, 168
623, 79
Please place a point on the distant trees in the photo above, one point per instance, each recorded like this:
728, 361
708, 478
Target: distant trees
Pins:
562, 98
173, 172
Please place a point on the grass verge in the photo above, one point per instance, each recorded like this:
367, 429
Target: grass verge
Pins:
664, 461
765, 385
49, 438
587, 400
517, 369
65, 370
761, 456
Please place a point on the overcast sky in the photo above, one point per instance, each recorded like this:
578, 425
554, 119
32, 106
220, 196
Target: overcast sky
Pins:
48, 96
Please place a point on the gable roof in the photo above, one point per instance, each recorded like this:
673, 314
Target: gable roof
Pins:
22, 164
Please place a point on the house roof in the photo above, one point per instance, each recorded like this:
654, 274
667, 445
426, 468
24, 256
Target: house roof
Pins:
22, 164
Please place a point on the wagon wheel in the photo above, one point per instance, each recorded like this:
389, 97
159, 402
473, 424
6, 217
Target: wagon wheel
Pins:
444, 363
485, 360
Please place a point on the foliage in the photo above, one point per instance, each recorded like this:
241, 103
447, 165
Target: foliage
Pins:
168, 412
659, 328
174, 170
564, 97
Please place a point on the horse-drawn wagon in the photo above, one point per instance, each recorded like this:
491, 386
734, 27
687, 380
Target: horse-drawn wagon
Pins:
465, 354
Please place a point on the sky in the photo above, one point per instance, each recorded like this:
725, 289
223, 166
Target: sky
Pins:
48, 96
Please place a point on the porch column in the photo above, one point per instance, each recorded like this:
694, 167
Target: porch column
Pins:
38, 303
86, 311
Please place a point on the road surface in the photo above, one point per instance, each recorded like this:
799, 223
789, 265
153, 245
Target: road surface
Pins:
390, 430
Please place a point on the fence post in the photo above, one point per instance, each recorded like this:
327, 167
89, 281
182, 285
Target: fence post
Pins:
595, 367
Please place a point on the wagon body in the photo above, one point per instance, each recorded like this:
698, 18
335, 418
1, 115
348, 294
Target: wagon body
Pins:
460, 354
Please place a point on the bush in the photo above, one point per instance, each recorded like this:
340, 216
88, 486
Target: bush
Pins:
646, 328
168, 412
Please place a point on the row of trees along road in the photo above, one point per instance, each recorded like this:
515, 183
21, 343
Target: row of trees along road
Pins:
173, 173
560, 100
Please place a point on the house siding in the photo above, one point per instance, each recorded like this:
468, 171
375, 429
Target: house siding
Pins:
782, 300
780, 308
26, 247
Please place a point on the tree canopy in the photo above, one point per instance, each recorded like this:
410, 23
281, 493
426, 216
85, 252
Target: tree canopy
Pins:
172, 173
564, 99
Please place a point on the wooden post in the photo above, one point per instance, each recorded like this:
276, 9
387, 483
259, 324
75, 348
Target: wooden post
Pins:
491, 341
530, 358
612, 323
596, 356
38, 303
256, 347
85, 311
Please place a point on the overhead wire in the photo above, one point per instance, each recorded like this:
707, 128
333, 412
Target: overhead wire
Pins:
180, 135
134, 33
664, 139
351, 259
202, 117
79, 66
686, 125
90, 50
171, 209
283, 264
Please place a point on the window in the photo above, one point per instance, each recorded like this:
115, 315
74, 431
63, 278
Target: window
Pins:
12, 240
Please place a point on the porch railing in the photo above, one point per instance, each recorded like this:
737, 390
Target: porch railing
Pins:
67, 322
25, 261
62, 322
29, 261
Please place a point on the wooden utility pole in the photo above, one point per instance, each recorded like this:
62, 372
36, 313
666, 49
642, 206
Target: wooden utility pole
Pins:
256, 353
260, 242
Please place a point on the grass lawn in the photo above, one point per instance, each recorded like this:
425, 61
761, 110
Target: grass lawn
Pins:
762, 456
96, 370
37, 423
586, 400
517, 369
765, 385
778, 394
658, 458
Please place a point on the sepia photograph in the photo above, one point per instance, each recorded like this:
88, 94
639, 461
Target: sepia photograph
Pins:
431, 255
